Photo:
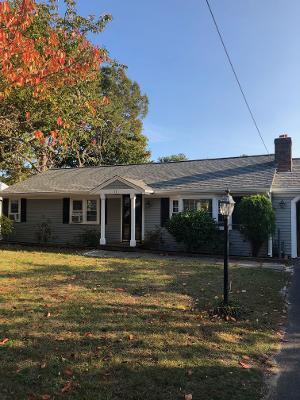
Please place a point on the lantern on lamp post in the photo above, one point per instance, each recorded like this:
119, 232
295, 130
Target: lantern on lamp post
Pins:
226, 209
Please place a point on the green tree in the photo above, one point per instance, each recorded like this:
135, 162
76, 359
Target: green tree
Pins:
173, 158
197, 230
113, 134
257, 220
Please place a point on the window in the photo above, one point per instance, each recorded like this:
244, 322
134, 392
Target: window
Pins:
198, 204
175, 207
14, 210
91, 210
77, 212
84, 211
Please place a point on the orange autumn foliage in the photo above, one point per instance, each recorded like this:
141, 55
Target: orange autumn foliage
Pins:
43, 63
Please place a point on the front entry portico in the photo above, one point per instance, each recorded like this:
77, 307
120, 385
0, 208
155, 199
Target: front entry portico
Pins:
131, 194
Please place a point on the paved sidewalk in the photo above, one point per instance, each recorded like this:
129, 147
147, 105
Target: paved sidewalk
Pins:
288, 382
202, 259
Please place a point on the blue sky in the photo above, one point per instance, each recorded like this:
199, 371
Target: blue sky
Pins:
173, 52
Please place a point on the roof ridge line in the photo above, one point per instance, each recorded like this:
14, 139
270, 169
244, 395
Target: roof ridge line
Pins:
159, 163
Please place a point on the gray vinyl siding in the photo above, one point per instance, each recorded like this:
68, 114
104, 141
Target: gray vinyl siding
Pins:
240, 246
117, 185
50, 212
283, 220
113, 223
151, 215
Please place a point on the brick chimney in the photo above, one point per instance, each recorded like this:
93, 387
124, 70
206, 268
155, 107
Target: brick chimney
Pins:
283, 153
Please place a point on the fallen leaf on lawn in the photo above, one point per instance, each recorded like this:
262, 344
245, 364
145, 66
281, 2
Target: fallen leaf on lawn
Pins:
130, 337
68, 372
5, 340
188, 397
244, 365
246, 358
67, 387
32, 396
88, 334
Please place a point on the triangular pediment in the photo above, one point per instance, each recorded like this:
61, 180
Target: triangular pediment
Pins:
117, 184
121, 185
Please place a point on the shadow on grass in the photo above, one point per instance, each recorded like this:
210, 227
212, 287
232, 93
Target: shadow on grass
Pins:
128, 329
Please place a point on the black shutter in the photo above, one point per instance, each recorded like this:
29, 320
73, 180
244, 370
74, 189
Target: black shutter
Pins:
235, 216
164, 210
5, 207
23, 210
66, 210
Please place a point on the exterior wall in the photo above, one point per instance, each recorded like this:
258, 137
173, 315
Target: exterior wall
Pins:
238, 244
50, 212
113, 223
283, 220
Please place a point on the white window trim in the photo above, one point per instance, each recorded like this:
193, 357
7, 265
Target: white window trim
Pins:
19, 209
84, 211
215, 205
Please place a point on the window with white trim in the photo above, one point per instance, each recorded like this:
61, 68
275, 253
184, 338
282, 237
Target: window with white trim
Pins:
91, 210
14, 212
198, 204
175, 207
77, 212
84, 211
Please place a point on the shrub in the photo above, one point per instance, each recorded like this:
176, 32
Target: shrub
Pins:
154, 239
197, 230
7, 226
90, 237
43, 232
257, 220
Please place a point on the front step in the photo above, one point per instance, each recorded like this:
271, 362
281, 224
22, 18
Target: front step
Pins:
119, 247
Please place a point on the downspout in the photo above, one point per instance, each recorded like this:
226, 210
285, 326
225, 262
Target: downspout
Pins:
270, 240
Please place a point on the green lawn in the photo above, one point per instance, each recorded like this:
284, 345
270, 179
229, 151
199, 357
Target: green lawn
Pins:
108, 329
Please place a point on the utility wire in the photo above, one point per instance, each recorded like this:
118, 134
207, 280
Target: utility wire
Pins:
236, 76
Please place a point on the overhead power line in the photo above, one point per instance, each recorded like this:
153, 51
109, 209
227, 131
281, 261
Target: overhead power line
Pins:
236, 76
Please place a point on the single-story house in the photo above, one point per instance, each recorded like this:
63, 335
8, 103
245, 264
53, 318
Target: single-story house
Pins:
128, 203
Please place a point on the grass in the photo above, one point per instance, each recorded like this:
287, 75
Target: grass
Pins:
108, 329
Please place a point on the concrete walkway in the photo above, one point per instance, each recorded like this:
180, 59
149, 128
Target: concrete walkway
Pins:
287, 386
202, 259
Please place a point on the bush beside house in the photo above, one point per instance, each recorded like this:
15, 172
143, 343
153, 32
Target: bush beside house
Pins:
197, 230
257, 220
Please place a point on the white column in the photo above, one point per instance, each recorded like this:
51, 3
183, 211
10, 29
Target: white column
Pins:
132, 238
102, 237
270, 246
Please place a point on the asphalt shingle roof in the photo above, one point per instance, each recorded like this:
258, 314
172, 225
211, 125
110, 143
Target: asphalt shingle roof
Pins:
288, 180
211, 175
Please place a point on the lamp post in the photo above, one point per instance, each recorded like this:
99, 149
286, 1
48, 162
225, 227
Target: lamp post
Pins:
226, 209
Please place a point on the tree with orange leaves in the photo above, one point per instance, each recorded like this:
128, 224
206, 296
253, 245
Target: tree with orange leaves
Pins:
56, 106
38, 55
